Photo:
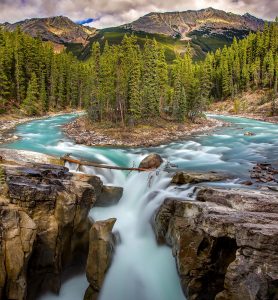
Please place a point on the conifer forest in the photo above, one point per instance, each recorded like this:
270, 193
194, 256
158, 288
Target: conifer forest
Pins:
127, 83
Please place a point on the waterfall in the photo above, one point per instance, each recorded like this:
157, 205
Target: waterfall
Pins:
141, 269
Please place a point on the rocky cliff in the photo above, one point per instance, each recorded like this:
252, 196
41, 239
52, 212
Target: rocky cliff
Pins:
44, 224
225, 243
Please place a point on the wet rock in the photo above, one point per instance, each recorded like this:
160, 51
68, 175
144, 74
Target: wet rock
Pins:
100, 256
110, 195
17, 236
246, 182
264, 173
58, 203
273, 188
194, 178
249, 133
152, 161
225, 243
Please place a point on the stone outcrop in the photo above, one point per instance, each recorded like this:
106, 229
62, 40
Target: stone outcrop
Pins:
17, 236
57, 203
193, 177
99, 257
110, 195
225, 243
152, 161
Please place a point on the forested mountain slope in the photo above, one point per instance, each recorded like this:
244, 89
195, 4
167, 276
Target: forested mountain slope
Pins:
206, 30
35, 79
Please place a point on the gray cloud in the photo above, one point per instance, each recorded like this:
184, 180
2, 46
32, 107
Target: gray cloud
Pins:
116, 12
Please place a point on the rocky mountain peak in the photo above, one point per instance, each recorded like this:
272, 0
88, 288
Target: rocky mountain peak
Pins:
57, 29
183, 24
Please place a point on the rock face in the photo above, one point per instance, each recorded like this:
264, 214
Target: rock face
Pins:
110, 195
59, 30
225, 243
193, 177
189, 23
152, 161
57, 204
99, 257
17, 236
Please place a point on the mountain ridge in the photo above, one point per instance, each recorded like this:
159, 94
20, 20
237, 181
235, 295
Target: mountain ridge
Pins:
206, 29
180, 24
57, 29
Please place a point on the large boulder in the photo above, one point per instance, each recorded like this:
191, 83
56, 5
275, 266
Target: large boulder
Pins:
110, 195
58, 202
195, 177
99, 257
152, 161
225, 243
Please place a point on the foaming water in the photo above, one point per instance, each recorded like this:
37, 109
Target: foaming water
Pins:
138, 259
141, 269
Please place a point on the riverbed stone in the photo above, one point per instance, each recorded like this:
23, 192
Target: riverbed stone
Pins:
100, 256
225, 243
152, 161
186, 177
110, 195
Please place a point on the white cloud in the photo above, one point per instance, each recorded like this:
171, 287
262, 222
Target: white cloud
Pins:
117, 12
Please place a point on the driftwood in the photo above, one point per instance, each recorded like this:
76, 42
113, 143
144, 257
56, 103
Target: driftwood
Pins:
67, 158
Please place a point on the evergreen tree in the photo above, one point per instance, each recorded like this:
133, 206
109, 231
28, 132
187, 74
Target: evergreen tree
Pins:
43, 101
30, 103
134, 89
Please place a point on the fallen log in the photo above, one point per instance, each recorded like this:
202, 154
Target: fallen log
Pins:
97, 165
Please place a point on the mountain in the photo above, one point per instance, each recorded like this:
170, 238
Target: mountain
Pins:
185, 25
206, 30
61, 31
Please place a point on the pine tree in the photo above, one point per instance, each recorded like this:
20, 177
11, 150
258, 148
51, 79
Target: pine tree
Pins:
95, 105
19, 66
134, 95
150, 79
30, 103
43, 100
4, 82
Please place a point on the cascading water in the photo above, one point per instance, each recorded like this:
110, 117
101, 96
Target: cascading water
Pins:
141, 269
138, 259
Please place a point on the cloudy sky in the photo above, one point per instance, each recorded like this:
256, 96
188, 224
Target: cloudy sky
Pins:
107, 13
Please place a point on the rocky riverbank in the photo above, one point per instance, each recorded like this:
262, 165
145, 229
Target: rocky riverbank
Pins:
257, 105
157, 132
225, 243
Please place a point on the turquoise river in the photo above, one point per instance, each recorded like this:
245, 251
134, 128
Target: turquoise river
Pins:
141, 269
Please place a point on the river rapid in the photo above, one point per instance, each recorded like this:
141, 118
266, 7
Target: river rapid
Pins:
141, 269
